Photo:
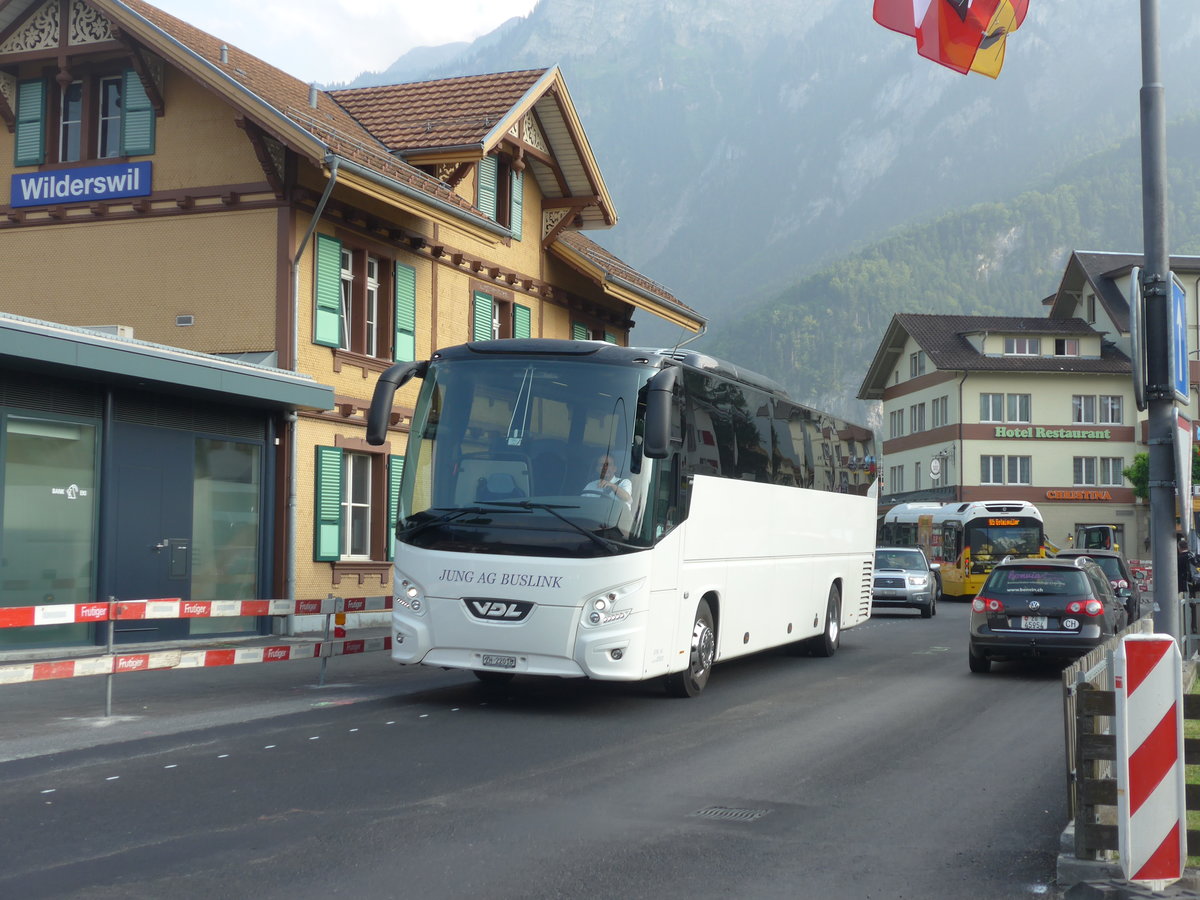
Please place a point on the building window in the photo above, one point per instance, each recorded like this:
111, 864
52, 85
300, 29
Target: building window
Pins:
1084, 471
1022, 346
1066, 347
1083, 410
991, 470
1111, 468
896, 477
916, 418
371, 308
1020, 470
916, 476
500, 193
1110, 409
355, 501
896, 423
1090, 309
991, 407
494, 317
356, 506
97, 116
346, 293
1018, 408
941, 411
352, 311
916, 364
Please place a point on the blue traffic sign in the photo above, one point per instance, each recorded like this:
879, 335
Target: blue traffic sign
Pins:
1179, 342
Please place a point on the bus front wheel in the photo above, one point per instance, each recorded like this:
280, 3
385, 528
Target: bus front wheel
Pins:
701, 653
826, 643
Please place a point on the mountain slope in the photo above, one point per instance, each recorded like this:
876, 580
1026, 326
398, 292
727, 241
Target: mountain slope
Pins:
818, 336
745, 142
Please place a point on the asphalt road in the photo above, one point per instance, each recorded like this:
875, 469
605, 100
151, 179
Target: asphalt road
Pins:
888, 771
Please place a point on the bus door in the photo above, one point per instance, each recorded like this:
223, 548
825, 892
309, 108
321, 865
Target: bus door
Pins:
954, 566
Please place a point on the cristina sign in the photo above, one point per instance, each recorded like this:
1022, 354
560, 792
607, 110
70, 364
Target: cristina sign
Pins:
109, 182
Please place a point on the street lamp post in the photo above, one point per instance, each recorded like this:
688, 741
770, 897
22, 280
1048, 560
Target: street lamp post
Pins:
1159, 325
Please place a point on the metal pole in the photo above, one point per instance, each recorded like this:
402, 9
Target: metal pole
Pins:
1157, 291
108, 650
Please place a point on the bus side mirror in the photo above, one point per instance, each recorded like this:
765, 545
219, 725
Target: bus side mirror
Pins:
660, 390
389, 382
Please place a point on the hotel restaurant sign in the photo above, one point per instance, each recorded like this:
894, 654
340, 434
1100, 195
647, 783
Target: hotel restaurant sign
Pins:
1064, 434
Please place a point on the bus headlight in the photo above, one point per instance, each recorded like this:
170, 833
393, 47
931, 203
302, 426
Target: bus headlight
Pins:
611, 605
409, 595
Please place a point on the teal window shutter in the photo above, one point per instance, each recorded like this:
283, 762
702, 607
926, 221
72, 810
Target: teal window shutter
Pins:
31, 123
489, 169
327, 505
406, 313
517, 205
520, 321
327, 317
395, 473
579, 332
137, 119
481, 327
609, 337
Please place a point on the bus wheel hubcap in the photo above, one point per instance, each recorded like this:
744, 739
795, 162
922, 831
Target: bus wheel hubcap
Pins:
703, 647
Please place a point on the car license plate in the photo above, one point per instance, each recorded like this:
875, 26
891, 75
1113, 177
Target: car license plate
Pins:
1034, 623
500, 662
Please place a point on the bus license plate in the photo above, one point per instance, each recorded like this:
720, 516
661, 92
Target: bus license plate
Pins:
500, 662
1034, 623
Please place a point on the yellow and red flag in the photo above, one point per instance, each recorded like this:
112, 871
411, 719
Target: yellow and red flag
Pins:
963, 35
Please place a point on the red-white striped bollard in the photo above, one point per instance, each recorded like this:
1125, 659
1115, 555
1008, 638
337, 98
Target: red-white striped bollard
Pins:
1151, 801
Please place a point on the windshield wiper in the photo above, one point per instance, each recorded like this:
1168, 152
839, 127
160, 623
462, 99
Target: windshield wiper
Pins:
448, 516
607, 543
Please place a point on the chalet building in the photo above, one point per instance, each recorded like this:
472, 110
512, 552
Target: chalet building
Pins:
164, 182
1039, 408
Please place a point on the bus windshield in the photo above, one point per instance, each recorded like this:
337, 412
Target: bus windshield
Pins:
528, 455
998, 538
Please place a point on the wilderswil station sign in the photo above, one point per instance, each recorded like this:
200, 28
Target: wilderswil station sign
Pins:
82, 185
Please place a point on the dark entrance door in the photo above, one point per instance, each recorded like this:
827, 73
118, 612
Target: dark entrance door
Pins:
151, 524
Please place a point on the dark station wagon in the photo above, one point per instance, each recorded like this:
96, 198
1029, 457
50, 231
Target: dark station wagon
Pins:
1043, 607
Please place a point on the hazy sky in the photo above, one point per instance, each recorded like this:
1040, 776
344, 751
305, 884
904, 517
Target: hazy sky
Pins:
334, 40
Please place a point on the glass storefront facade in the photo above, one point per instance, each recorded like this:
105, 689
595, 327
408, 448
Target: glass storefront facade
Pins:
47, 521
59, 545
226, 525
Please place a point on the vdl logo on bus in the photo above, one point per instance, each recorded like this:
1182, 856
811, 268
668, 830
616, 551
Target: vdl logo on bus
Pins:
504, 610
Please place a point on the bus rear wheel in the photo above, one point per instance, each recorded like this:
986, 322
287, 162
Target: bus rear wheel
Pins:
701, 654
826, 643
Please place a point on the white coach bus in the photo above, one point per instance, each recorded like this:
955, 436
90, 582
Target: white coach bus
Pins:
579, 509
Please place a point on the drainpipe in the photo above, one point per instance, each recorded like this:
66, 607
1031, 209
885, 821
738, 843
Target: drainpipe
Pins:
962, 457
291, 418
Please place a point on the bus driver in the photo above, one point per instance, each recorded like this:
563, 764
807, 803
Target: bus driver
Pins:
609, 482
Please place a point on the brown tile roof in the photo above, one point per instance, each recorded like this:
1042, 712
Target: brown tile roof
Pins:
611, 265
449, 112
944, 340
284, 94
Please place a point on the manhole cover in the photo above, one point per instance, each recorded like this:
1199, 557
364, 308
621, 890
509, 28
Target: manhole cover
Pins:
731, 813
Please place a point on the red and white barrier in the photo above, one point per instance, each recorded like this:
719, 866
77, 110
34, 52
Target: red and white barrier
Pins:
116, 664
1151, 800
175, 608
92, 665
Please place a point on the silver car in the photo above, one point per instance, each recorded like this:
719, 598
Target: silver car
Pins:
904, 578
